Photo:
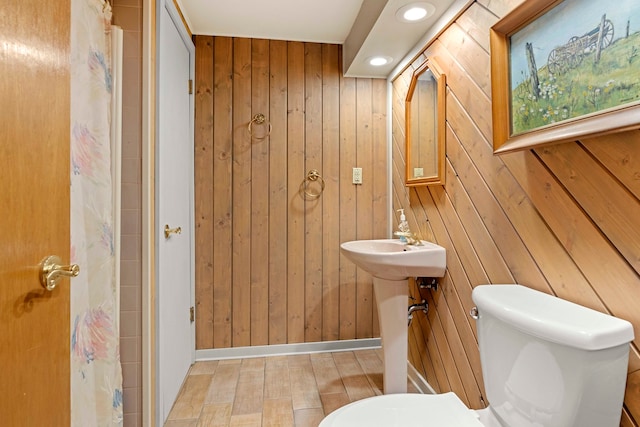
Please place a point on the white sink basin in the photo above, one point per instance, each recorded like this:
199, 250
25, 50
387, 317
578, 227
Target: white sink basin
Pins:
392, 259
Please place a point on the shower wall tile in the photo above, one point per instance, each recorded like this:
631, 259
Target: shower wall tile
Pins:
128, 15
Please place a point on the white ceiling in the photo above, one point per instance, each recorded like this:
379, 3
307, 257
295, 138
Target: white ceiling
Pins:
365, 27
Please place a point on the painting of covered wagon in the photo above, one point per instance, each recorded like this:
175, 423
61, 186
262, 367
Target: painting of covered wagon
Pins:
570, 55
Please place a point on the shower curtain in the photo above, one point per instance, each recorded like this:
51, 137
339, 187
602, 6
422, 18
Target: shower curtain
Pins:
96, 375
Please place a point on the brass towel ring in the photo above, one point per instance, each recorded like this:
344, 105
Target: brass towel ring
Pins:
312, 176
259, 119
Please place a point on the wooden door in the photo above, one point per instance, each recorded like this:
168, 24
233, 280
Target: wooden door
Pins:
34, 211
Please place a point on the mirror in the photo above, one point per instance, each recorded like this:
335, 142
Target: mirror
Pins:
425, 126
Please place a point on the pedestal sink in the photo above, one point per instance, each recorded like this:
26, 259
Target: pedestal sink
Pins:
391, 262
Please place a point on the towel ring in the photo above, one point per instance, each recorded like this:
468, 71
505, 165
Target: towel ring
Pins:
312, 176
259, 119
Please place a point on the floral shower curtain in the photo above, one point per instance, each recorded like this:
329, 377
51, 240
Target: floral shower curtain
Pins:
96, 376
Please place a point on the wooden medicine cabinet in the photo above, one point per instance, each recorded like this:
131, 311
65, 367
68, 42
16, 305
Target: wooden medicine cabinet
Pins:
425, 126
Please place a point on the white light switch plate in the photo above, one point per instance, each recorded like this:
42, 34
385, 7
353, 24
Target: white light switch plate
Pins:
357, 175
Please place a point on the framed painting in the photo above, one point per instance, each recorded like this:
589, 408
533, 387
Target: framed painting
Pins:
563, 70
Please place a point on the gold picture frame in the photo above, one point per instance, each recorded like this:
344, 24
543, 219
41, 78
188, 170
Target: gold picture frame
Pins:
577, 76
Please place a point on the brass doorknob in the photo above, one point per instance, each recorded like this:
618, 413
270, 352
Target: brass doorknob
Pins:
169, 231
51, 271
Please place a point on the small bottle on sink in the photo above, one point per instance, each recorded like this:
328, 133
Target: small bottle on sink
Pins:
403, 226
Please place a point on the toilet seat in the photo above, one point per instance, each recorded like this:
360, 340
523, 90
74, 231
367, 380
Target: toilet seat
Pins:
411, 410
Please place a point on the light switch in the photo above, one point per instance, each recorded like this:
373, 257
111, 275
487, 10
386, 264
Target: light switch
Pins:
357, 175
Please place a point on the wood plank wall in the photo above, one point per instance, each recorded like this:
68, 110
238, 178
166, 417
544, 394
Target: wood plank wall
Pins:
563, 219
268, 267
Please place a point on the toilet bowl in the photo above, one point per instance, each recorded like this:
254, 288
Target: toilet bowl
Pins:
546, 362
415, 410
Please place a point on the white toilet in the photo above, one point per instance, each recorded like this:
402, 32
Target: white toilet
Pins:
546, 362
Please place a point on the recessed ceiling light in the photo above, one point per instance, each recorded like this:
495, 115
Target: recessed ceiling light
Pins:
378, 61
415, 12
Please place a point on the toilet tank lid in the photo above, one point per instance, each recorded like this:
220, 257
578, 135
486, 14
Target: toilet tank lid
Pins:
551, 318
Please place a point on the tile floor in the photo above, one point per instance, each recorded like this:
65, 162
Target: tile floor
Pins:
278, 391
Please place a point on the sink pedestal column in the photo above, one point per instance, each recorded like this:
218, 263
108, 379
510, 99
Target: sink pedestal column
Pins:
392, 299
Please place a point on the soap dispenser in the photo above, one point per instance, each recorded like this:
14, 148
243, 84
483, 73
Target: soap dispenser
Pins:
403, 226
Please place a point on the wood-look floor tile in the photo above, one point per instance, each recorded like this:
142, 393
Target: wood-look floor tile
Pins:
207, 367
333, 401
298, 360
276, 378
182, 423
190, 400
308, 417
282, 391
223, 384
304, 390
372, 366
250, 390
246, 420
354, 379
326, 373
215, 415
277, 413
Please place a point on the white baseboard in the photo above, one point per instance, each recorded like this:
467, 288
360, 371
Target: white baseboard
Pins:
418, 380
287, 349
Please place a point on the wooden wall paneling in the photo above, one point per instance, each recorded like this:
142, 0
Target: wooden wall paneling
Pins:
331, 196
241, 288
615, 211
413, 352
475, 22
400, 193
470, 55
414, 213
295, 173
278, 203
500, 7
348, 213
522, 266
453, 298
461, 352
418, 344
464, 277
593, 254
485, 248
632, 397
259, 267
276, 270
626, 419
439, 380
477, 104
203, 159
379, 173
313, 208
557, 266
222, 191
473, 267
444, 353
364, 193
419, 355
620, 154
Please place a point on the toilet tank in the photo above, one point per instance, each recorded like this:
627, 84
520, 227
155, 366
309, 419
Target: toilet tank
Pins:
548, 362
